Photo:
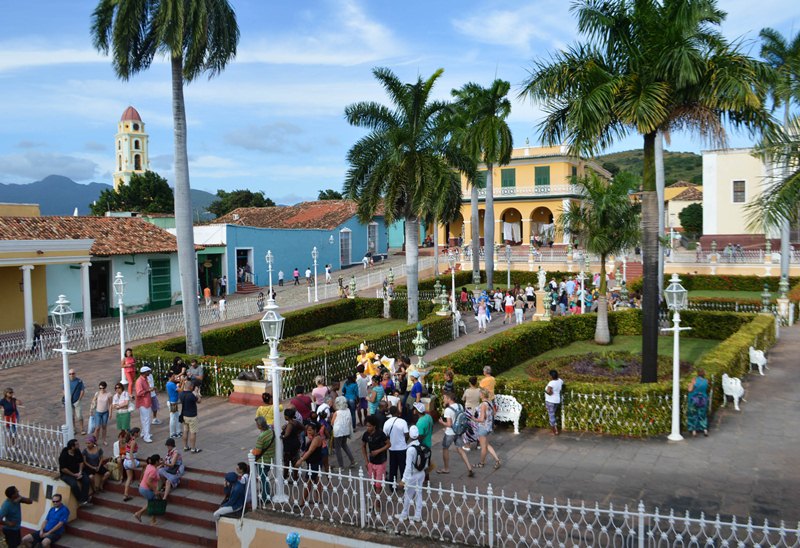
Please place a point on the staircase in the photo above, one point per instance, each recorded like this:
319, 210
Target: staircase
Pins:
245, 288
188, 522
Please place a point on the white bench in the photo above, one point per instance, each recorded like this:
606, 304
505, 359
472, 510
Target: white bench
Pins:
508, 410
757, 357
732, 386
460, 322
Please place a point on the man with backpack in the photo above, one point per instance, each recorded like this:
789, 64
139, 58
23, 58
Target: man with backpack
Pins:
418, 457
456, 423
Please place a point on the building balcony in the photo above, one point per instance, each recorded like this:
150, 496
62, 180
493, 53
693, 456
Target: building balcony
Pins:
537, 191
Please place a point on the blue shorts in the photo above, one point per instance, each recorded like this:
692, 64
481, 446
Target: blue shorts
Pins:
101, 418
37, 538
362, 403
146, 493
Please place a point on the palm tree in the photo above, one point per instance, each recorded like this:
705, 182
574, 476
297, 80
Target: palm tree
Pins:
605, 223
200, 37
400, 164
648, 66
784, 59
487, 139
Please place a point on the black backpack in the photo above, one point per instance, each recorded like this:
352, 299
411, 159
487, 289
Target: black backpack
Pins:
423, 457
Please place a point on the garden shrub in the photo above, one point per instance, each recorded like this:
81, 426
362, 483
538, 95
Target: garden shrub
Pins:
464, 278
696, 282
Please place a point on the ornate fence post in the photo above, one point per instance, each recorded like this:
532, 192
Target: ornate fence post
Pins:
216, 377
254, 473
642, 535
490, 514
362, 499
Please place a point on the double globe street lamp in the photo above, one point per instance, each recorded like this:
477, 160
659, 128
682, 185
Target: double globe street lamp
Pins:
119, 291
677, 299
63, 317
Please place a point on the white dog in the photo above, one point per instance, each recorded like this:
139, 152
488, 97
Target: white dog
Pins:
732, 386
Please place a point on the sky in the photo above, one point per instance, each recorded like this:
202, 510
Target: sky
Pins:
273, 121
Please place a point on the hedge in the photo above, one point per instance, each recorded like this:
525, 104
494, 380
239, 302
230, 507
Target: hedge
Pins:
220, 370
696, 282
464, 278
638, 409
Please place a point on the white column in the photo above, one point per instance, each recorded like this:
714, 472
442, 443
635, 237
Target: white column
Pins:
565, 207
27, 300
86, 299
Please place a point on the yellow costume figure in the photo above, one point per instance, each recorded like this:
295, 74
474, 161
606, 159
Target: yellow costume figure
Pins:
365, 358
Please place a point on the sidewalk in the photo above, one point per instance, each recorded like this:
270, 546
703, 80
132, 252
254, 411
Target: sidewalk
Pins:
747, 466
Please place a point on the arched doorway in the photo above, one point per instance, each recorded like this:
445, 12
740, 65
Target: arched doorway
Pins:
454, 231
511, 226
542, 226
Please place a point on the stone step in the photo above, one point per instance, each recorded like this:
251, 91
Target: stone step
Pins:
82, 534
201, 500
165, 529
175, 512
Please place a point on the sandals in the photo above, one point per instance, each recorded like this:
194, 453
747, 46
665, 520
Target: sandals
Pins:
479, 465
196, 450
470, 474
497, 464
186, 448
127, 498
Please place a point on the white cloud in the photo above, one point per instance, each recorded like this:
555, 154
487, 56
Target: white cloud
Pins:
273, 138
345, 37
33, 165
523, 28
15, 55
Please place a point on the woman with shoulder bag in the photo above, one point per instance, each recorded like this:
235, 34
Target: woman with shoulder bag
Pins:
173, 468
697, 408
484, 421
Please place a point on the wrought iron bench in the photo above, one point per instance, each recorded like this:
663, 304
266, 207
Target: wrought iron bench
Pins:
732, 386
508, 410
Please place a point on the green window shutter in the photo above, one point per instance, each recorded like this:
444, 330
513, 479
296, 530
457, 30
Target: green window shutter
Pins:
160, 283
508, 177
542, 176
480, 179
574, 171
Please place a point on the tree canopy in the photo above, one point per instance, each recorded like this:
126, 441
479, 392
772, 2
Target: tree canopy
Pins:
228, 201
691, 218
144, 193
329, 194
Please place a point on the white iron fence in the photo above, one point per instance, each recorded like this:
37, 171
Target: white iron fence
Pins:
480, 517
34, 445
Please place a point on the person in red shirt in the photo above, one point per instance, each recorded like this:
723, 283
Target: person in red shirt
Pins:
301, 402
144, 403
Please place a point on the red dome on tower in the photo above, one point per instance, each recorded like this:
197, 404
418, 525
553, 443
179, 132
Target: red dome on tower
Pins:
131, 114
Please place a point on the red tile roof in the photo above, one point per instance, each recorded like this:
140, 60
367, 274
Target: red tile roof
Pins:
130, 114
681, 184
691, 194
322, 215
111, 235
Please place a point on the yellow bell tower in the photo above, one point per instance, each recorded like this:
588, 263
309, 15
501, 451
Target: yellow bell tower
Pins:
131, 148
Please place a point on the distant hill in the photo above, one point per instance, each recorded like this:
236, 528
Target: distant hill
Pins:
58, 195
678, 166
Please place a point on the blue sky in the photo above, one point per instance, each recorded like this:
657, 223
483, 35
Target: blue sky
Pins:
273, 121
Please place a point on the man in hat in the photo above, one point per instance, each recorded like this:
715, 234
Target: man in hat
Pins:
144, 402
424, 424
412, 479
416, 389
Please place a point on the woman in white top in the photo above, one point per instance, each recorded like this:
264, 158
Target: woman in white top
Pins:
342, 424
552, 398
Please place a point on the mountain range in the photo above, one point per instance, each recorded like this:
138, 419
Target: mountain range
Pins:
678, 166
59, 195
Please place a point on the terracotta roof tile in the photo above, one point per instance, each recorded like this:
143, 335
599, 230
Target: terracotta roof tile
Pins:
691, 194
321, 215
682, 184
111, 235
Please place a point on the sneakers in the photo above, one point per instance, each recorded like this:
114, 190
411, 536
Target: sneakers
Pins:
401, 517
156, 421
147, 440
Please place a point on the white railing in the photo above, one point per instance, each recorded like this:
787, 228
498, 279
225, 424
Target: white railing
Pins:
536, 190
745, 256
15, 351
34, 445
480, 517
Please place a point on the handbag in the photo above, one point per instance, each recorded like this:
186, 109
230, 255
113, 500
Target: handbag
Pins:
173, 407
156, 507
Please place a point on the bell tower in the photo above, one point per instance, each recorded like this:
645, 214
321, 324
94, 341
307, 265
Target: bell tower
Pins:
130, 150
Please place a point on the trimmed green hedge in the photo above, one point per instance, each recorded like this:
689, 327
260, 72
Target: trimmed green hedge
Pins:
638, 409
696, 282
464, 278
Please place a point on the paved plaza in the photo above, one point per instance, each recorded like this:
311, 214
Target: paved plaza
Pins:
747, 466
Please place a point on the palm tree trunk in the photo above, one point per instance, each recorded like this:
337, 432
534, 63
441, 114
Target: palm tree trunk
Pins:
475, 234
659, 160
412, 268
601, 332
187, 262
650, 249
488, 229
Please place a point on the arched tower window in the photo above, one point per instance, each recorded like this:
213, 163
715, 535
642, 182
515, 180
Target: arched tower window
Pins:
137, 162
119, 163
136, 144
135, 127
119, 145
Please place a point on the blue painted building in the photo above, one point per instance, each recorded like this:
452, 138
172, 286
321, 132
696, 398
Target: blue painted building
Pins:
241, 238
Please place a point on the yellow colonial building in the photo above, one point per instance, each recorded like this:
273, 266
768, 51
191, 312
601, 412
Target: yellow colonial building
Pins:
529, 195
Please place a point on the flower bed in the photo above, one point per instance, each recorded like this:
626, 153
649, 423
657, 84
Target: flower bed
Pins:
633, 409
608, 367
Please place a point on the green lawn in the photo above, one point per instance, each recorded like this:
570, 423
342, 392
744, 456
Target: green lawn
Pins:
718, 293
691, 350
340, 333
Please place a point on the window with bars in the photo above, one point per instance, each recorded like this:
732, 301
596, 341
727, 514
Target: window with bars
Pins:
739, 192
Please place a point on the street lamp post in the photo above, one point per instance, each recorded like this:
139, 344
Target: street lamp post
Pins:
119, 291
582, 277
315, 256
677, 299
272, 324
508, 266
62, 316
452, 261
